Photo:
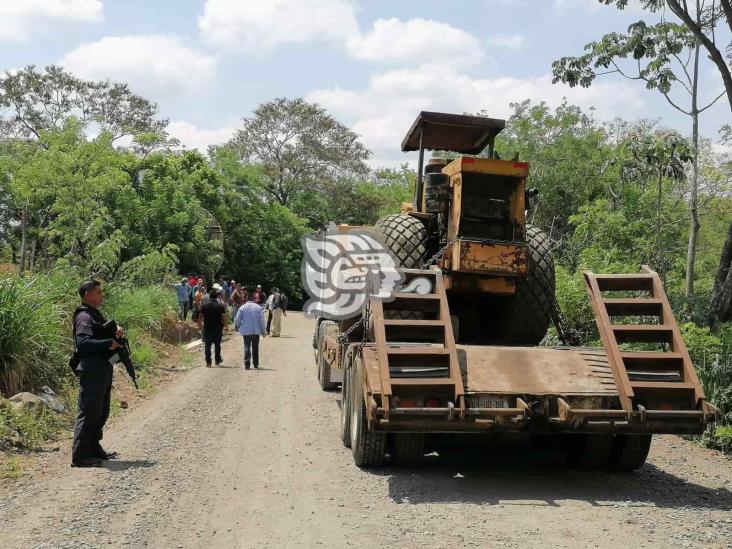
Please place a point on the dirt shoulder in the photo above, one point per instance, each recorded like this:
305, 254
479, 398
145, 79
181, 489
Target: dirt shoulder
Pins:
226, 457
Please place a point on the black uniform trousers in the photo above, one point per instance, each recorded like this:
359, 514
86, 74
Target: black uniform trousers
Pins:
95, 392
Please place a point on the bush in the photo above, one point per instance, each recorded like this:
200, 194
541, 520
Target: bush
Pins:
34, 344
719, 438
712, 357
139, 310
572, 297
144, 356
30, 428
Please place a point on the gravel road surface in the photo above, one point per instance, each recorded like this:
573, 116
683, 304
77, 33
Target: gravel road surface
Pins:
226, 457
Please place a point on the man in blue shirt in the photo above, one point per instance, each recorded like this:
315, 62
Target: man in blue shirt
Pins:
249, 322
183, 293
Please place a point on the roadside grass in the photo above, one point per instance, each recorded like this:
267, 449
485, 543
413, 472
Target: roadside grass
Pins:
33, 338
11, 468
185, 358
30, 429
719, 438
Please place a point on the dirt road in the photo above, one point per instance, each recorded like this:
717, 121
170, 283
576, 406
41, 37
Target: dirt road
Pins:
233, 458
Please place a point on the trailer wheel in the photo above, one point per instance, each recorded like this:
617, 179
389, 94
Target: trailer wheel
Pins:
407, 448
367, 446
316, 345
585, 451
323, 367
629, 452
345, 430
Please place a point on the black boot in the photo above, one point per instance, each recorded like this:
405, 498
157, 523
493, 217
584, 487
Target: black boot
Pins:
87, 462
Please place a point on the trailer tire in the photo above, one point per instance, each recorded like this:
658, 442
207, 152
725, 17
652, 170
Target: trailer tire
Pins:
316, 344
629, 452
588, 451
528, 314
323, 367
407, 448
406, 237
345, 424
367, 447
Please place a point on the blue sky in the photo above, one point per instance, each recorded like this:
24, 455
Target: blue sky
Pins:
373, 64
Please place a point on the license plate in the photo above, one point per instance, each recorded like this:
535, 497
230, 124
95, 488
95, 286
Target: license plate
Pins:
487, 401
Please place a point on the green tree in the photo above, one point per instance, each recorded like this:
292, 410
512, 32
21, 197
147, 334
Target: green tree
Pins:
701, 18
35, 102
655, 55
261, 239
299, 147
566, 149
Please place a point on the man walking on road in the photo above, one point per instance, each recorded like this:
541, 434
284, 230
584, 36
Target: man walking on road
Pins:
93, 350
212, 320
249, 322
277, 309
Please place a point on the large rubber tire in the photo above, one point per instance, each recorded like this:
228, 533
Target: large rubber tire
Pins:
367, 447
323, 367
528, 314
345, 420
584, 451
407, 448
629, 452
406, 237
316, 343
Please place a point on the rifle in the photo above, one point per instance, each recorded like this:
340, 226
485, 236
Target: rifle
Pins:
123, 353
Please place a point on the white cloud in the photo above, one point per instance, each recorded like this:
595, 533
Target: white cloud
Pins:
510, 41
193, 137
383, 111
415, 41
157, 65
19, 19
592, 6
589, 5
256, 27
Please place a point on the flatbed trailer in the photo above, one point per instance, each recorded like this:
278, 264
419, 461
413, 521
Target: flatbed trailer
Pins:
404, 378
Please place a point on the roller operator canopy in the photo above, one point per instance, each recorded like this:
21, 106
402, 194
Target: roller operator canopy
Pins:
460, 133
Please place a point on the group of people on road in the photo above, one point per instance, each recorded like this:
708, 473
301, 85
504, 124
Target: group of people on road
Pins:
210, 310
96, 351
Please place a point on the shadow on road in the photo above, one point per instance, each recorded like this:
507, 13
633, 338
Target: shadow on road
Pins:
530, 477
122, 465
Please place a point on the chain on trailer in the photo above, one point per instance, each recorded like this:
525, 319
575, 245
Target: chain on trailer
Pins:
567, 335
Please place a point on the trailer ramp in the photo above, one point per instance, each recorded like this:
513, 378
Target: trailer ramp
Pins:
416, 353
653, 372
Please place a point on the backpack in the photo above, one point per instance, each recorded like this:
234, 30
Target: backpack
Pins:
276, 300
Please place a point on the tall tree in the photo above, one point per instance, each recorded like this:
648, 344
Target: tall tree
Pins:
299, 148
32, 102
666, 58
702, 19
720, 309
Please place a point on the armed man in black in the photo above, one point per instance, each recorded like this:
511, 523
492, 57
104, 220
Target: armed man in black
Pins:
94, 350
